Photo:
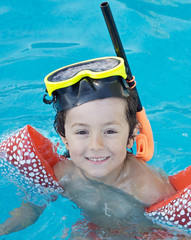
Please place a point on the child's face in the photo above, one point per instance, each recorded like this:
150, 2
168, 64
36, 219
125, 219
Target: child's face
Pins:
96, 135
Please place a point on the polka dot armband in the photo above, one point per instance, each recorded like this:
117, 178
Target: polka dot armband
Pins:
27, 158
175, 212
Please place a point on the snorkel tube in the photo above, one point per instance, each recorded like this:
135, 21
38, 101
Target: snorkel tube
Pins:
144, 140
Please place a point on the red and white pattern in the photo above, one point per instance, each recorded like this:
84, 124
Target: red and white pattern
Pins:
176, 213
19, 151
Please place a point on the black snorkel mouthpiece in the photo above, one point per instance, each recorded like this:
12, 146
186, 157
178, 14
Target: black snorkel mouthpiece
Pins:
118, 45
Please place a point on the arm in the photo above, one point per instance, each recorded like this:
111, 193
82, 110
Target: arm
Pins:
21, 218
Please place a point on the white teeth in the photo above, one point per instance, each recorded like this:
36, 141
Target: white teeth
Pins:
97, 159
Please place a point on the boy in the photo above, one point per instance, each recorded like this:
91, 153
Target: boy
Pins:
96, 119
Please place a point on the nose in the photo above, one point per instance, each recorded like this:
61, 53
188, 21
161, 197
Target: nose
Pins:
96, 142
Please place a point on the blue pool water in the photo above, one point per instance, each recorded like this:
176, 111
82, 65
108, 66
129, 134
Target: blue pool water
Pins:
39, 36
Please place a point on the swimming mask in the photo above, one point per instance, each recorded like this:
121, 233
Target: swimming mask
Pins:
86, 81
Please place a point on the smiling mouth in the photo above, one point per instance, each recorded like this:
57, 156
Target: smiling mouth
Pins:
97, 159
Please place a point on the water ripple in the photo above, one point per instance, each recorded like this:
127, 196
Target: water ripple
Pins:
163, 17
162, 7
53, 45
170, 107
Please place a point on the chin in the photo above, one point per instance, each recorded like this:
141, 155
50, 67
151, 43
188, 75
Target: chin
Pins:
96, 175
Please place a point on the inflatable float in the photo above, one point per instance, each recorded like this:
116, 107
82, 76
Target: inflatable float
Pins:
27, 159
175, 212
34, 156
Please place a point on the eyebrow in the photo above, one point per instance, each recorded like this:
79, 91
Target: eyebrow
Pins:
112, 123
79, 124
105, 124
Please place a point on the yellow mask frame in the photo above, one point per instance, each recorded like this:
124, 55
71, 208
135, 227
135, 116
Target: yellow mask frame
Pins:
98, 68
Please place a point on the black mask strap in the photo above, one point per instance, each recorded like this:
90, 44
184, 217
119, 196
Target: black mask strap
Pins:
49, 101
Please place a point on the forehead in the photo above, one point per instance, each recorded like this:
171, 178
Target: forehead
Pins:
102, 109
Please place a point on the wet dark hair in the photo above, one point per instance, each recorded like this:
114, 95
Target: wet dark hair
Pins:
131, 110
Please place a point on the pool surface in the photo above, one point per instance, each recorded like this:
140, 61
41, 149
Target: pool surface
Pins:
39, 36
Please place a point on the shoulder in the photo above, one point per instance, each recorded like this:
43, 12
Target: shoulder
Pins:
147, 185
62, 168
67, 172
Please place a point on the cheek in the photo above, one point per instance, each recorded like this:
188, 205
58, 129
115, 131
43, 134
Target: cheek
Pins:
75, 147
119, 147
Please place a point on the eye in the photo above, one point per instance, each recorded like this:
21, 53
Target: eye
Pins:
82, 132
110, 131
